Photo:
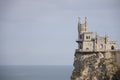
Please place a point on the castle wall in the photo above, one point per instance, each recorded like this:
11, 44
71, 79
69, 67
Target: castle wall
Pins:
88, 46
118, 58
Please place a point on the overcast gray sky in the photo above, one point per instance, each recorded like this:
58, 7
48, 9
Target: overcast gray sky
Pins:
43, 32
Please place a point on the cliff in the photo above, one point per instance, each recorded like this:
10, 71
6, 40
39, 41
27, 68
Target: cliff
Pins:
93, 66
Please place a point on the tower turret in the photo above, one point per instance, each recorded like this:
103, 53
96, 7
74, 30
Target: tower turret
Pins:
86, 25
79, 25
82, 27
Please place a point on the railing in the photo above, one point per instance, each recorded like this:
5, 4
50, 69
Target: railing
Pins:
78, 40
80, 50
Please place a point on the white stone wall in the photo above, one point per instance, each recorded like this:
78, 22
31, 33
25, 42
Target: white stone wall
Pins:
98, 45
88, 36
88, 46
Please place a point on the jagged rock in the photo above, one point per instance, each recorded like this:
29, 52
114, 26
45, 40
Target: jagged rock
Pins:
92, 67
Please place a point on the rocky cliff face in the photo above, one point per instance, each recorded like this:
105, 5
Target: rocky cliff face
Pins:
93, 66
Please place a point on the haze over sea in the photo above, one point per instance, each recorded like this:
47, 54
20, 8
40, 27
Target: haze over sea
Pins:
35, 72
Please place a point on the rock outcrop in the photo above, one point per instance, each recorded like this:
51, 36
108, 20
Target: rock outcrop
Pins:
93, 66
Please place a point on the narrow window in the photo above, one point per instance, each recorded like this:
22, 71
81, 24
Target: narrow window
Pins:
112, 48
80, 36
101, 46
87, 48
87, 37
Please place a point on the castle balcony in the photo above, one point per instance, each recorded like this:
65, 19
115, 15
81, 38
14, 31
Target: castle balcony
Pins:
81, 50
96, 51
79, 40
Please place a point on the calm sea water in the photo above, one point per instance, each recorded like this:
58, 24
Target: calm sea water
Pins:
35, 72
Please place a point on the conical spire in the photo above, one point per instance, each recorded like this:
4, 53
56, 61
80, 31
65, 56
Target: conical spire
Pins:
82, 27
85, 23
85, 19
79, 25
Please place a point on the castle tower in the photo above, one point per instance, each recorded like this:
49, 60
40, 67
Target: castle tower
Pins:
82, 27
84, 41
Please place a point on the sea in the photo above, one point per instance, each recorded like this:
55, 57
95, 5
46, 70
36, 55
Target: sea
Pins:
35, 72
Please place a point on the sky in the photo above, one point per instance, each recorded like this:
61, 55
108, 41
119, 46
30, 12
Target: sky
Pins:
43, 32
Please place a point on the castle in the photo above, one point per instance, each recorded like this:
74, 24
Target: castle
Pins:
96, 56
87, 43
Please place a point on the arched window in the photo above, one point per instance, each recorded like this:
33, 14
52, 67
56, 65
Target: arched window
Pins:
87, 48
112, 48
101, 46
87, 37
80, 36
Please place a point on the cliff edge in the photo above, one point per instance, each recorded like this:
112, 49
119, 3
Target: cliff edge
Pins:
93, 66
